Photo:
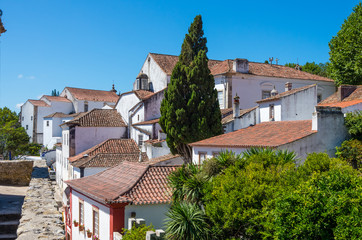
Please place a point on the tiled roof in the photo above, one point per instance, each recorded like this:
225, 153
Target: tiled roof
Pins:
61, 115
93, 95
109, 146
148, 122
99, 118
267, 134
334, 101
167, 63
286, 93
154, 141
226, 111
39, 103
107, 160
143, 94
230, 117
128, 182
163, 158
56, 98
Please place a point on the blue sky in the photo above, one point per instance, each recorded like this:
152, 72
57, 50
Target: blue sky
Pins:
92, 44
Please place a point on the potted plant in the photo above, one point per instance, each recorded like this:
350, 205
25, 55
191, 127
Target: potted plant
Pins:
89, 233
75, 223
95, 237
81, 227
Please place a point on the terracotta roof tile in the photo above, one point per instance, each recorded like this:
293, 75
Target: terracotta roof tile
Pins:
93, 95
154, 141
109, 146
167, 63
143, 94
128, 182
267, 134
61, 115
334, 100
230, 117
163, 158
148, 122
286, 93
99, 118
39, 103
56, 98
107, 160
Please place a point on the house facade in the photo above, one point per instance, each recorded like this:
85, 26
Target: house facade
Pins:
104, 202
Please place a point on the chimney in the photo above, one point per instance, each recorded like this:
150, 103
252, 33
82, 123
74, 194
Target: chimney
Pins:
288, 86
236, 106
140, 157
344, 91
241, 65
274, 92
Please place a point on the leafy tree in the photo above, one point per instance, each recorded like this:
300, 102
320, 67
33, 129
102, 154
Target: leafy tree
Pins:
238, 202
320, 69
137, 232
186, 221
13, 137
190, 110
55, 93
353, 122
345, 50
291, 65
327, 206
351, 151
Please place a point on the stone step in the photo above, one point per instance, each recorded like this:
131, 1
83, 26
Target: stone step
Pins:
9, 227
9, 216
8, 236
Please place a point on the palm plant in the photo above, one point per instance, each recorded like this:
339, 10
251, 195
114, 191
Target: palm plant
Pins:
186, 221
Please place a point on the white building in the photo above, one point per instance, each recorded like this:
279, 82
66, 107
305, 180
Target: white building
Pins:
83, 132
105, 202
33, 111
290, 105
250, 80
52, 132
107, 154
321, 134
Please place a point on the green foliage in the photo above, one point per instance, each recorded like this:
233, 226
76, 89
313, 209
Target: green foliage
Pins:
353, 122
214, 166
238, 201
32, 149
320, 69
55, 93
351, 151
190, 110
137, 233
13, 137
327, 206
345, 50
186, 221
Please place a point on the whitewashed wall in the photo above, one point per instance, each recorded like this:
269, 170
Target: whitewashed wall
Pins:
156, 151
27, 114
210, 150
356, 107
87, 137
249, 88
125, 103
264, 111
104, 217
155, 74
154, 214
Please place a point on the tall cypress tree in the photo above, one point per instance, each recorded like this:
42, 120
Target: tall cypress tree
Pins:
190, 110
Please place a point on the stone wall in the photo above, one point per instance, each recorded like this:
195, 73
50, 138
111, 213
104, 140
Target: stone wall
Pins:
15, 172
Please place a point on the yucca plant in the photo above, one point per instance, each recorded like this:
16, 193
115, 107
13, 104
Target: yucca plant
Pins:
186, 221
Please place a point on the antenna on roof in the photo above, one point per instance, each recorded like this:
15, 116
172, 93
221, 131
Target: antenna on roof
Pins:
271, 60
276, 60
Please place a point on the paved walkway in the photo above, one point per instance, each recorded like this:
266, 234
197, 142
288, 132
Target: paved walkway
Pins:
40, 216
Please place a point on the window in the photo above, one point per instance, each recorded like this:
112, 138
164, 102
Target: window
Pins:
271, 112
26, 127
215, 154
95, 221
202, 157
265, 94
81, 212
85, 106
319, 97
31, 118
22, 118
140, 140
47, 123
138, 117
220, 97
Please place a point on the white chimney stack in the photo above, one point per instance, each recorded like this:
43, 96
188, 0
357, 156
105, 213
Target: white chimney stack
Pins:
288, 86
241, 65
236, 106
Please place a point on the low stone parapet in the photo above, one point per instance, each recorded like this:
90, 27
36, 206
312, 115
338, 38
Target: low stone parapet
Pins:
15, 172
